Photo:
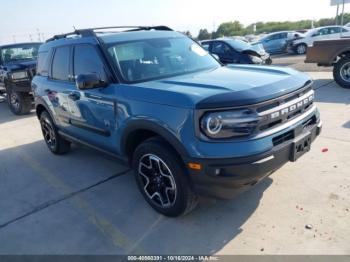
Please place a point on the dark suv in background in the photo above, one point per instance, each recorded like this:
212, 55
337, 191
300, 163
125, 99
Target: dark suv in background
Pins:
235, 51
185, 123
17, 69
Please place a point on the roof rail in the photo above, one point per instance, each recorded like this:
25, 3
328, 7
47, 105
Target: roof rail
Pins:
91, 31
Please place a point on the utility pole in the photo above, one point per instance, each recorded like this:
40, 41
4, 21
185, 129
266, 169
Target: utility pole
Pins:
342, 15
337, 15
38, 32
30, 37
14, 38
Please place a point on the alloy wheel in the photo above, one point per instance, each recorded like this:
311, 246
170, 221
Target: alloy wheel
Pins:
49, 133
301, 49
157, 180
14, 101
345, 72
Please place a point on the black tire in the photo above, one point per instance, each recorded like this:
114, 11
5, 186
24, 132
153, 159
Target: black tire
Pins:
341, 72
53, 140
268, 61
157, 165
301, 49
20, 103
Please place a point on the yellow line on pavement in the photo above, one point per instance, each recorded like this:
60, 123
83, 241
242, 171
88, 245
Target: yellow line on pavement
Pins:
102, 224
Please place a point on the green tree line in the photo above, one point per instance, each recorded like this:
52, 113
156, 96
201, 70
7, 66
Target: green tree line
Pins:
235, 28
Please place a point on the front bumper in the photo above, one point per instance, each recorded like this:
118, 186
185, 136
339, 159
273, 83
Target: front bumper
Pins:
225, 178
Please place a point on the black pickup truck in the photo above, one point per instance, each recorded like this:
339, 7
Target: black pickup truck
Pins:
17, 68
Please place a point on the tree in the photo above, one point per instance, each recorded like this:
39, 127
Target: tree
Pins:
188, 33
230, 29
203, 34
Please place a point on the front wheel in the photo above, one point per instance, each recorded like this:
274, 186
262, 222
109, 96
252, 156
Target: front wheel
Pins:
20, 103
341, 72
53, 140
301, 49
268, 61
162, 178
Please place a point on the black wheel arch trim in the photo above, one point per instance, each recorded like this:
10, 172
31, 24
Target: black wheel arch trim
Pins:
148, 125
41, 102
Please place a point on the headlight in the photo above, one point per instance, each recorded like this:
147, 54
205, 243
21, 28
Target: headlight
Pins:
256, 60
19, 75
228, 124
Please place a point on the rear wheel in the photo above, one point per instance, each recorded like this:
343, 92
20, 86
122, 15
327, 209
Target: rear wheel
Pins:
301, 49
20, 103
53, 140
341, 72
162, 179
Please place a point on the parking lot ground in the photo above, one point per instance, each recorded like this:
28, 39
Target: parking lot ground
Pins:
86, 202
297, 62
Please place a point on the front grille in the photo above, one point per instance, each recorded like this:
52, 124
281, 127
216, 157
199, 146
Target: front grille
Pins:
283, 109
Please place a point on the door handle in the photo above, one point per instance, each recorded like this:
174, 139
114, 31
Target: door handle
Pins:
74, 96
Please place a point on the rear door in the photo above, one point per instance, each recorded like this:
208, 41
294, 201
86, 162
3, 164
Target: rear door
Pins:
59, 85
334, 32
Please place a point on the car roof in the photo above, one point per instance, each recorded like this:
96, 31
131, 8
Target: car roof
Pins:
108, 38
20, 44
328, 26
137, 35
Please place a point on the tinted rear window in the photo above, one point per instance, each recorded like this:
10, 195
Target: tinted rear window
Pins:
43, 65
60, 64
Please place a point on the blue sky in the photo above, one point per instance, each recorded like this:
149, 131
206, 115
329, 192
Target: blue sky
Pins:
21, 18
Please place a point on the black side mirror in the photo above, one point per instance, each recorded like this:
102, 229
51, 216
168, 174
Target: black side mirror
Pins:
87, 81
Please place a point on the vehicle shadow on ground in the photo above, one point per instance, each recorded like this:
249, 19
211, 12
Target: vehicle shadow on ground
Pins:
26, 186
7, 116
327, 91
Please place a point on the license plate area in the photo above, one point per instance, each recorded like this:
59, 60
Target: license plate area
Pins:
300, 146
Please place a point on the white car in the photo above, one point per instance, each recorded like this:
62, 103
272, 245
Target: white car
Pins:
300, 45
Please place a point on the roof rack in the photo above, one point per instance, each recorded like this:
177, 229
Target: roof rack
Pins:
92, 31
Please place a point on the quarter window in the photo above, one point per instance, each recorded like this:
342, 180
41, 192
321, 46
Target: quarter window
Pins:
43, 66
87, 61
60, 64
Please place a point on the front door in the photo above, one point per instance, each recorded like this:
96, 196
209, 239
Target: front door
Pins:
93, 111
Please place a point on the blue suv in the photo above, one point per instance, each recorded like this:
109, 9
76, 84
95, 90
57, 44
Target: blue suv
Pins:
158, 101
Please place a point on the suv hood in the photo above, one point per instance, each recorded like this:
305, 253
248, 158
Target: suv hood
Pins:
228, 86
20, 64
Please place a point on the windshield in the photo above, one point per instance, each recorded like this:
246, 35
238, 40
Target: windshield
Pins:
157, 58
23, 52
238, 45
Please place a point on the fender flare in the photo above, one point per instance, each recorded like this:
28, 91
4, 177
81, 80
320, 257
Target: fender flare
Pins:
41, 102
344, 50
163, 132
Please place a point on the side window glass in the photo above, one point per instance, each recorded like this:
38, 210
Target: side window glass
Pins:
220, 48
87, 61
43, 65
205, 46
323, 31
334, 30
60, 64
